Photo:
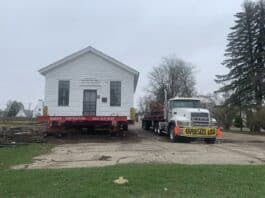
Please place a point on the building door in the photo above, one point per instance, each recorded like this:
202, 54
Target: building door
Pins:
90, 102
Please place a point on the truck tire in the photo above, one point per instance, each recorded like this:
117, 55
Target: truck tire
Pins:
146, 125
155, 130
143, 123
159, 131
210, 140
172, 136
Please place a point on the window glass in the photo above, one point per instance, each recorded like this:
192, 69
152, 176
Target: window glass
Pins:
63, 95
115, 93
185, 104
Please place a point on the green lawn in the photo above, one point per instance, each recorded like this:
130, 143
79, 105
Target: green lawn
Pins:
20, 154
144, 181
149, 180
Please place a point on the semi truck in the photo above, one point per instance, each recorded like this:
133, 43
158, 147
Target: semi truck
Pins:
181, 119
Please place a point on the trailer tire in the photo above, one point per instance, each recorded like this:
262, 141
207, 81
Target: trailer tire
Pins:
210, 140
125, 127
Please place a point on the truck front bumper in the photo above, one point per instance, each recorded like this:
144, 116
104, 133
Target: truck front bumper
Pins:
199, 132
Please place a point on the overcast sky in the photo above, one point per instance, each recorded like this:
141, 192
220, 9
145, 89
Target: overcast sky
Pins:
35, 33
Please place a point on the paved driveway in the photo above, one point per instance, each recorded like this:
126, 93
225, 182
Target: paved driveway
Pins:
141, 146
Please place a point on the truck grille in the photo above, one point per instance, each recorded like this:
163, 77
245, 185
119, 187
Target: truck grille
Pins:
200, 119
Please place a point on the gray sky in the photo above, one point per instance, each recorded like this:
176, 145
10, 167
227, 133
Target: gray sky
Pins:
136, 32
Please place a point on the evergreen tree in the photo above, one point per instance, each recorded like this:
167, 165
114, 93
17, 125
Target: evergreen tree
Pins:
245, 58
259, 68
240, 58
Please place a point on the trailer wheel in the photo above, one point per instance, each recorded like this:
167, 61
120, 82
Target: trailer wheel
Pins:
210, 140
172, 136
125, 127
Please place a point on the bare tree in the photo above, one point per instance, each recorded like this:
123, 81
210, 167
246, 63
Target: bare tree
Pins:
176, 76
144, 103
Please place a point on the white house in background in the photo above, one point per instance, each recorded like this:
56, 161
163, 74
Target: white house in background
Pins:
38, 110
21, 113
89, 82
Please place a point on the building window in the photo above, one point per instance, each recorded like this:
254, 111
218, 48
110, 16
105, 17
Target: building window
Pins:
115, 93
63, 92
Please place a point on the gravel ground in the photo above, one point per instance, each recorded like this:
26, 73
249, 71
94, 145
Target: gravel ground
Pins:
140, 146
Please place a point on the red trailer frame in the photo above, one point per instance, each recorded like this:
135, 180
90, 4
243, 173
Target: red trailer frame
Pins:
59, 124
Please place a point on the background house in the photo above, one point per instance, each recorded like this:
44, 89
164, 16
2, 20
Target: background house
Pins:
22, 113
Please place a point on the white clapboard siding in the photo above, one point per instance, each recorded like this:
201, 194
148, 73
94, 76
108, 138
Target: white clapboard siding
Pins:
89, 71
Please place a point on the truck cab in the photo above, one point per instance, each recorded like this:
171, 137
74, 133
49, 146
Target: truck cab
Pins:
188, 112
184, 118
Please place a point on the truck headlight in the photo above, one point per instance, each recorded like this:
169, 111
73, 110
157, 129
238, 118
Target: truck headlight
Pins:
213, 122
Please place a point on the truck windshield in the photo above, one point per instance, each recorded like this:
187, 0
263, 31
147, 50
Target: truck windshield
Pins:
185, 104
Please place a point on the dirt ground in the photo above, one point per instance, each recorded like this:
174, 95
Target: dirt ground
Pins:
140, 146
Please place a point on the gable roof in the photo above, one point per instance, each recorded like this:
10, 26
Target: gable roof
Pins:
58, 63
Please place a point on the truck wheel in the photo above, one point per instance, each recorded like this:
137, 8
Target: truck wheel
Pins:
209, 140
172, 136
155, 130
144, 126
147, 126
159, 132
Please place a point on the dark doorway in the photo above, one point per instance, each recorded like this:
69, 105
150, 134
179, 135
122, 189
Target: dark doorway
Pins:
90, 102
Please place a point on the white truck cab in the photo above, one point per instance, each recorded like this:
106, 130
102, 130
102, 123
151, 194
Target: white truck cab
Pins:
188, 112
184, 118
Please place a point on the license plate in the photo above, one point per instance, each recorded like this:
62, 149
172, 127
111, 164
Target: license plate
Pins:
199, 131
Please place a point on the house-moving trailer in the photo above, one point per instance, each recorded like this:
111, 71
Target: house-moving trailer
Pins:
88, 89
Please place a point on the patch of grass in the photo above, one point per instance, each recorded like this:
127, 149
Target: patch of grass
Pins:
17, 122
144, 181
20, 154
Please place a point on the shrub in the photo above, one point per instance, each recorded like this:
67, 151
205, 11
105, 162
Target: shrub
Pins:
238, 122
224, 116
256, 120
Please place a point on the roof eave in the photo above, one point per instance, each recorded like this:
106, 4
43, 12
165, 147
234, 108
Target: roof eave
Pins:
46, 69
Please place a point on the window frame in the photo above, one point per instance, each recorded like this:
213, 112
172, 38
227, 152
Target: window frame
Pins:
118, 102
61, 103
